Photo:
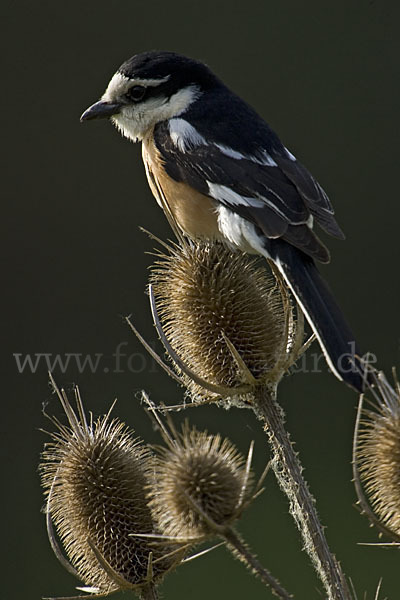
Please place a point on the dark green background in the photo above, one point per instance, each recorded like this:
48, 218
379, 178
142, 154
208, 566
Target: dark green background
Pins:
326, 77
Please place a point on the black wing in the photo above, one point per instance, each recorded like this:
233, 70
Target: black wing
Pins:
273, 191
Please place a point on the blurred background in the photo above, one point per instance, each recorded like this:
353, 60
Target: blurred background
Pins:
326, 78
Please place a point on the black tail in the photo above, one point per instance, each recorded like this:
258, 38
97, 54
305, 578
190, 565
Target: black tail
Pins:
321, 311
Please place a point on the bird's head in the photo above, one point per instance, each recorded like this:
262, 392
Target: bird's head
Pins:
149, 88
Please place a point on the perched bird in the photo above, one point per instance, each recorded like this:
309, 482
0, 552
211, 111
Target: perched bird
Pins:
218, 169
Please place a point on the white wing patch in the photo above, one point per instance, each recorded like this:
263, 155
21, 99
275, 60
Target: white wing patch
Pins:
225, 194
263, 159
230, 152
290, 155
184, 135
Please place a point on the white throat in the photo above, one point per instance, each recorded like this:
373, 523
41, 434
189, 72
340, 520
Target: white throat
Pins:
136, 120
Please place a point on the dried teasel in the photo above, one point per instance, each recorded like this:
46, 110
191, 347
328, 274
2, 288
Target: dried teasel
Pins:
201, 485
228, 324
215, 310
94, 474
232, 332
376, 459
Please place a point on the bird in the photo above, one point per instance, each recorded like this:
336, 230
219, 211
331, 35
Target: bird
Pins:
220, 172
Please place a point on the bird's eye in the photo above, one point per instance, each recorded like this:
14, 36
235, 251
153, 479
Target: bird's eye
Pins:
136, 93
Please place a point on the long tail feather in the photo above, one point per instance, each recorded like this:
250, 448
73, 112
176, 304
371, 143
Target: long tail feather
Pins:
322, 312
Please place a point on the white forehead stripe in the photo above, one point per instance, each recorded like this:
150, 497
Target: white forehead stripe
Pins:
184, 135
145, 82
119, 85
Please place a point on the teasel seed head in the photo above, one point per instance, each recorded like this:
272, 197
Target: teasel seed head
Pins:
377, 455
225, 318
201, 484
94, 474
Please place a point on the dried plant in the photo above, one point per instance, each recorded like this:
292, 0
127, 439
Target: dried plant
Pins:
376, 458
201, 484
232, 333
227, 320
200, 481
94, 474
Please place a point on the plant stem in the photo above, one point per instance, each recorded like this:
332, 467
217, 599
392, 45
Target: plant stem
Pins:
288, 471
241, 550
149, 592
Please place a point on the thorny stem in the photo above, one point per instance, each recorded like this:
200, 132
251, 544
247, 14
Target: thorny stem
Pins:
288, 471
242, 552
148, 592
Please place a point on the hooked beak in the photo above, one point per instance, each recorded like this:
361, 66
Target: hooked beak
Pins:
101, 110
